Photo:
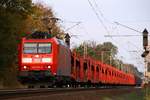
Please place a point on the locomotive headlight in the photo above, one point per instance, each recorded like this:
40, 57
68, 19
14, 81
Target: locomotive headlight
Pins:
27, 60
49, 67
47, 60
25, 67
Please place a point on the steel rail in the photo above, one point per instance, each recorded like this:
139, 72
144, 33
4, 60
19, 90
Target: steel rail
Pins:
7, 94
11, 94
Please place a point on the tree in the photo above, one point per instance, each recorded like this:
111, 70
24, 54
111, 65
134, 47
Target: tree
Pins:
42, 19
99, 51
17, 18
12, 15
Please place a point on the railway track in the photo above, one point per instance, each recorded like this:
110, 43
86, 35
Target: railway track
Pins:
12, 94
9, 94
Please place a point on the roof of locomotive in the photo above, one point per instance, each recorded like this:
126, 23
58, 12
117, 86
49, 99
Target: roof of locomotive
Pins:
44, 36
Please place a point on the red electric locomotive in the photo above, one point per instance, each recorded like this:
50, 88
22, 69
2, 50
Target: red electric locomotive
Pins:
43, 59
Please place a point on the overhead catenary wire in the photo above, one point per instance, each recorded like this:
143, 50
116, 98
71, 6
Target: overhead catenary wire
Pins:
100, 20
102, 15
73, 26
76, 23
127, 27
126, 35
100, 11
97, 15
114, 22
115, 35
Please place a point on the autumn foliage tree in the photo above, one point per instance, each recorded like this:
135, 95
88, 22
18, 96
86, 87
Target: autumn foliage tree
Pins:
18, 17
42, 19
103, 52
12, 16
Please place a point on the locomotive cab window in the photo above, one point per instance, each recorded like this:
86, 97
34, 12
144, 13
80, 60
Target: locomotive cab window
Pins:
37, 48
44, 48
30, 48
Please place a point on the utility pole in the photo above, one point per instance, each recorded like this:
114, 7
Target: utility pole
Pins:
101, 53
102, 56
85, 49
145, 53
121, 64
110, 56
110, 59
118, 64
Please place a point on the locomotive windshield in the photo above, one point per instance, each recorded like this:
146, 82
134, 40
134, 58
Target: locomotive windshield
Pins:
37, 48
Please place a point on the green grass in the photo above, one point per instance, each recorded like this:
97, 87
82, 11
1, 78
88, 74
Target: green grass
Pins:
143, 94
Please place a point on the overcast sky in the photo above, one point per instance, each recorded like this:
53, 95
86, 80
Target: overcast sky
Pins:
133, 13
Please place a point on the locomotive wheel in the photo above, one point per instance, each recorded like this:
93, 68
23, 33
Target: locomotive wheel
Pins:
42, 86
30, 86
